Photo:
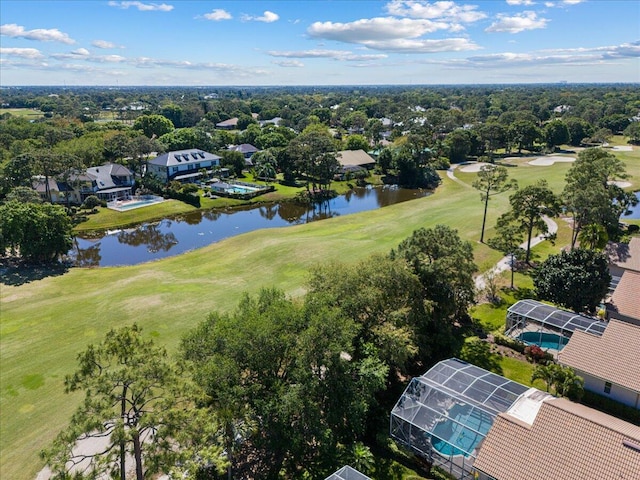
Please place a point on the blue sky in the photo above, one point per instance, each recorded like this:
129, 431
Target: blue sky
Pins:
317, 42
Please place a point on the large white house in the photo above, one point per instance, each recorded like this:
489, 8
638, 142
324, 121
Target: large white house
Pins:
183, 165
108, 182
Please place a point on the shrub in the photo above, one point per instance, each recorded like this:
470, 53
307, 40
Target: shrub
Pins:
91, 202
511, 343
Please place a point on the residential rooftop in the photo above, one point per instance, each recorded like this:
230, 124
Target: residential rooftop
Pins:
566, 441
614, 356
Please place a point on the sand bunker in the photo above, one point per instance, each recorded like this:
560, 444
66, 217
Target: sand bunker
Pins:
619, 183
546, 161
473, 167
622, 148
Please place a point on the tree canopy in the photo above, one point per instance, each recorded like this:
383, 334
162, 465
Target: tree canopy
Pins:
36, 232
578, 279
132, 403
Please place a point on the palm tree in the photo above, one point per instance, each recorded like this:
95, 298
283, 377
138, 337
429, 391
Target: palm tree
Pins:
361, 458
593, 237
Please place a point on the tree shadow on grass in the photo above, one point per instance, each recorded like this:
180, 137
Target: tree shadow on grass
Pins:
15, 272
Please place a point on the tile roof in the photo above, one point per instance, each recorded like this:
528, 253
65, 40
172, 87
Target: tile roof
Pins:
625, 255
567, 441
615, 356
626, 297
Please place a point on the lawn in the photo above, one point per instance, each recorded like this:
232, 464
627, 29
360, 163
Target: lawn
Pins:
22, 112
46, 322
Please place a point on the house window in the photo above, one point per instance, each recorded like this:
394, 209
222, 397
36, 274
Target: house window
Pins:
197, 166
174, 169
607, 387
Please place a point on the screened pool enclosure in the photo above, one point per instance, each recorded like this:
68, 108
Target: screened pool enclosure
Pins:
547, 326
347, 473
445, 414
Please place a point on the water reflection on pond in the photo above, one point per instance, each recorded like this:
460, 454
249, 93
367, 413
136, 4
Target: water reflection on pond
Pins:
173, 236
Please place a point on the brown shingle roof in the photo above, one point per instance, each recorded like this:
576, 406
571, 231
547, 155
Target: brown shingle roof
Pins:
625, 255
615, 356
626, 297
567, 441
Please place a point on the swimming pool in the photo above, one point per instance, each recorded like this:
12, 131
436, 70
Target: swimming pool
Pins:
462, 432
130, 205
544, 340
241, 190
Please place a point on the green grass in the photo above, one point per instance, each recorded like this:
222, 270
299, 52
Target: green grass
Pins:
45, 323
22, 112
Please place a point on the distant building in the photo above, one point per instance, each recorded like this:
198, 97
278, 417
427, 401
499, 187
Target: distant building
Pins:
230, 124
358, 158
183, 165
247, 150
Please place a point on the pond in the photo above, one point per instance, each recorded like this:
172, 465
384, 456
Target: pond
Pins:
633, 212
173, 236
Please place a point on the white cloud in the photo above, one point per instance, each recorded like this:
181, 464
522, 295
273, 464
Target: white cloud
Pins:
572, 2
267, 17
374, 29
288, 63
335, 54
521, 2
405, 45
39, 34
30, 53
83, 52
549, 4
218, 14
103, 44
443, 10
143, 7
108, 59
518, 23
392, 34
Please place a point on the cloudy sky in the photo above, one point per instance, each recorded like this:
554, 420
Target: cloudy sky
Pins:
317, 42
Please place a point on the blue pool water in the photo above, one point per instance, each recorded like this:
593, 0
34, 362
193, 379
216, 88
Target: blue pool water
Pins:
452, 438
138, 204
544, 340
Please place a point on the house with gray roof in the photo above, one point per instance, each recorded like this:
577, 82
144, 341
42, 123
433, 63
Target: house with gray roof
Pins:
183, 165
247, 150
230, 124
108, 182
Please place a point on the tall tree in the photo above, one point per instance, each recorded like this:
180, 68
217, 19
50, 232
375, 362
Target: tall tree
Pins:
129, 402
556, 133
591, 195
578, 279
492, 180
524, 134
528, 206
444, 264
287, 367
153, 126
37, 232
